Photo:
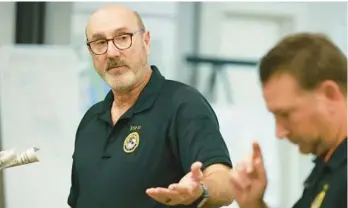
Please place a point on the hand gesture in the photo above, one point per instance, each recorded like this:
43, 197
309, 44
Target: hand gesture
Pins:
249, 180
185, 192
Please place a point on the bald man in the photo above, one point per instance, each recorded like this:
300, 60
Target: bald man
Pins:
152, 142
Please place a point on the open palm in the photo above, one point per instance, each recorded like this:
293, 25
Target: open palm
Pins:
185, 192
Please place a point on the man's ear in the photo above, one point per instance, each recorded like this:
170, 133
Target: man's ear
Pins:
86, 36
330, 90
147, 41
89, 50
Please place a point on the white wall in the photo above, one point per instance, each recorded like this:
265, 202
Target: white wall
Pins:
7, 22
48, 121
329, 18
58, 23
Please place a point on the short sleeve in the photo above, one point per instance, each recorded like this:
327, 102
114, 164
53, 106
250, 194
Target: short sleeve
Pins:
197, 135
72, 198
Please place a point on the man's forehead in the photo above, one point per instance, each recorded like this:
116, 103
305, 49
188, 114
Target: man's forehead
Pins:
280, 83
280, 91
111, 20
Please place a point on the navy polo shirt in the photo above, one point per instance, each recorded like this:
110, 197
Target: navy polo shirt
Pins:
326, 186
153, 144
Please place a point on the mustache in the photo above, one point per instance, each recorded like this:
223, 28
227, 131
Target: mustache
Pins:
112, 63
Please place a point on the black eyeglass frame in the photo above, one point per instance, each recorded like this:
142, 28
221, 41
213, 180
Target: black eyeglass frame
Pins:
113, 41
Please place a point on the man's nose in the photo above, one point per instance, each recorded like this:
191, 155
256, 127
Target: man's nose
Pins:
113, 51
281, 131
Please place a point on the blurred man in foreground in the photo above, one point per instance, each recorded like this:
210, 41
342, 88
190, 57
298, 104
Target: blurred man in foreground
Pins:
152, 143
304, 79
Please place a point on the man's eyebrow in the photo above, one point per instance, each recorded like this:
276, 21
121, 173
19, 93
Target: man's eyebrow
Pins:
101, 35
97, 35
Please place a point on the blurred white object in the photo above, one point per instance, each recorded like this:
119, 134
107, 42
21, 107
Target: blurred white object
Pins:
6, 157
24, 158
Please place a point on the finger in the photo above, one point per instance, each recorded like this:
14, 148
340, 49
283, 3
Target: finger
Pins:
183, 190
159, 191
258, 161
242, 176
196, 171
162, 195
260, 168
237, 190
236, 182
248, 161
257, 154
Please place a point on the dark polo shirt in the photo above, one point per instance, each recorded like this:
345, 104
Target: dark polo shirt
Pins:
153, 144
326, 186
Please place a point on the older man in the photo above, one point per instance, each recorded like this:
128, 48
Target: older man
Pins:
304, 80
152, 142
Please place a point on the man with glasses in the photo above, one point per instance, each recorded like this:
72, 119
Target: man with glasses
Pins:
152, 142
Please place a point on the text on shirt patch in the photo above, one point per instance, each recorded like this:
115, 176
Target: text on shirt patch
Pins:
135, 128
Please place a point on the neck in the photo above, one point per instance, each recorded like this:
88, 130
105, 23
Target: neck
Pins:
339, 133
124, 99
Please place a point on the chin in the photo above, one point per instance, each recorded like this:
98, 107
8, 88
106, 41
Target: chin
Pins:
122, 86
304, 149
121, 82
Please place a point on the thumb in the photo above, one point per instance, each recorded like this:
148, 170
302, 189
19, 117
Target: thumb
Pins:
257, 151
258, 161
196, 172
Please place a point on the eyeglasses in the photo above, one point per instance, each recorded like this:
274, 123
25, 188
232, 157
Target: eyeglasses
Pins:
122, 42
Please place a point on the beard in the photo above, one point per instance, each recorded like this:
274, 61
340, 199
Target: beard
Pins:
123, 81
126, 76
309, 145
